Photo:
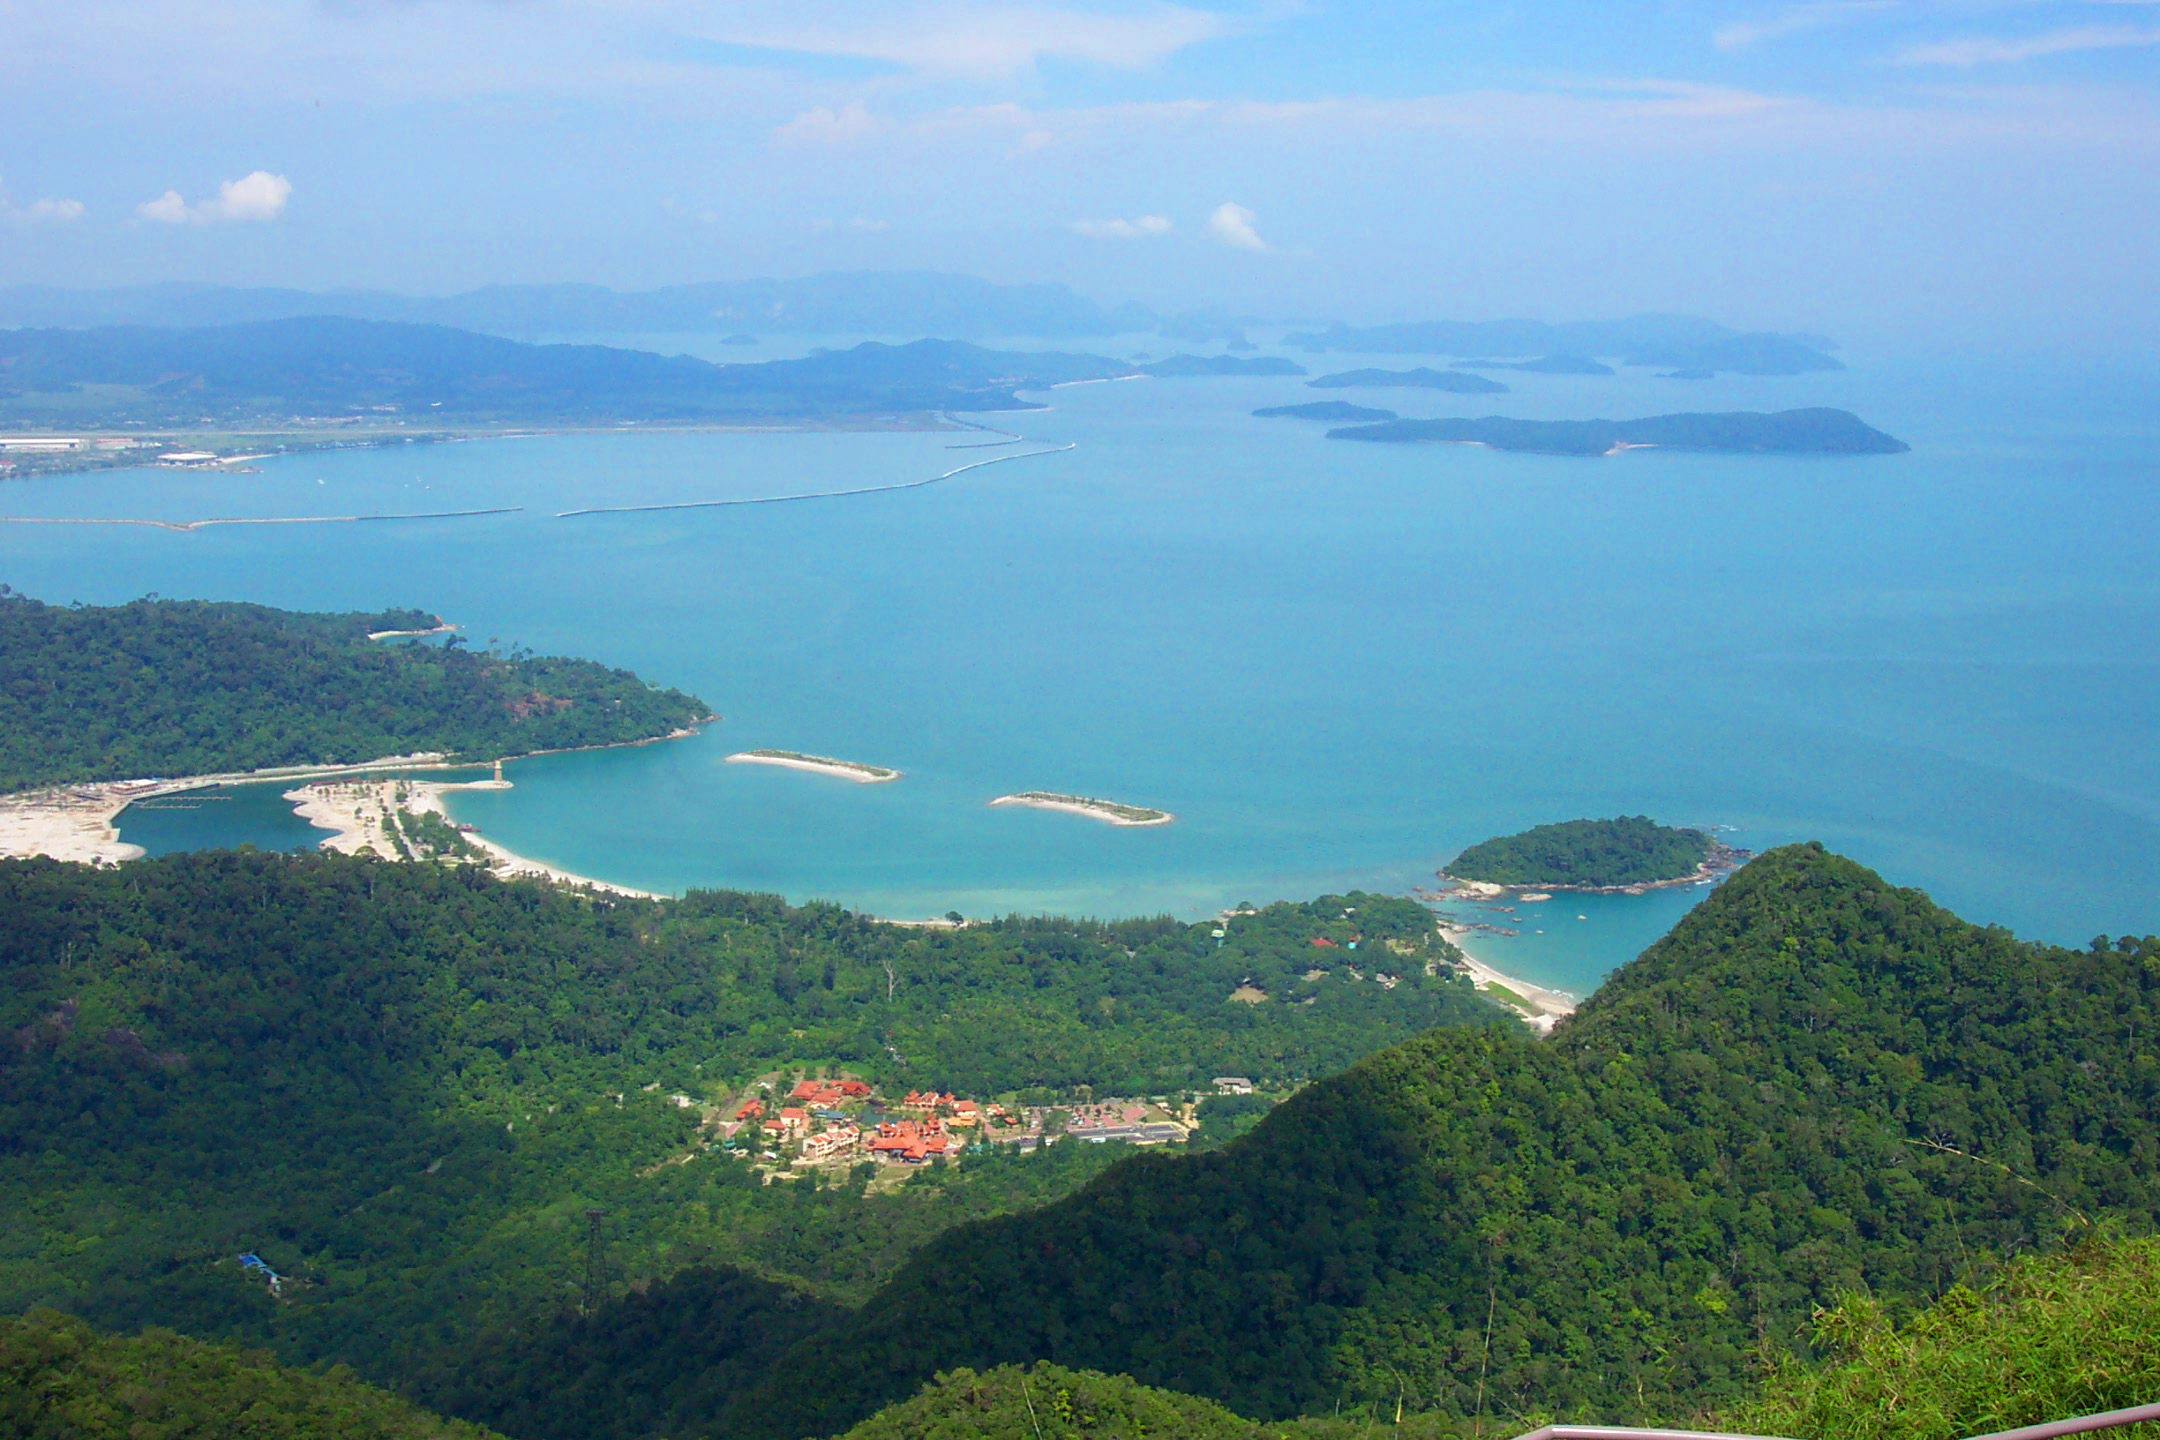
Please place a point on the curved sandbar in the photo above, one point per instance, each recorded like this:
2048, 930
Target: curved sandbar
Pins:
818, 764
1106, 810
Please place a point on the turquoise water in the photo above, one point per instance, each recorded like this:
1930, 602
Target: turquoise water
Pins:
1338, 664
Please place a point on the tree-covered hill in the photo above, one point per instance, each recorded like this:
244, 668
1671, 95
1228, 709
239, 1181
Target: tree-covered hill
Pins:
62, 1380
2051, 1338
188, 687
1817, 1082
1625, 850
403, 1085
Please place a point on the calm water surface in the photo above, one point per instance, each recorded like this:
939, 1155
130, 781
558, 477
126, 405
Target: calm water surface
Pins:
1338, 664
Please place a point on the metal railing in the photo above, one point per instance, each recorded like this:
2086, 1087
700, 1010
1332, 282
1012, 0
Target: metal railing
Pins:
2050, 1430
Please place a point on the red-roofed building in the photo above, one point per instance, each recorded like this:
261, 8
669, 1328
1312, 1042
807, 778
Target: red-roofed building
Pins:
794, 1119
803, 1090
750, 1110
1323, 942
854, 1089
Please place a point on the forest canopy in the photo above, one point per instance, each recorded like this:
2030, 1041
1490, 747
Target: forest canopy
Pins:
188, 687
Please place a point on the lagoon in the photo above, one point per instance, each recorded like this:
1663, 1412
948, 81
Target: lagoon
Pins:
1335, 664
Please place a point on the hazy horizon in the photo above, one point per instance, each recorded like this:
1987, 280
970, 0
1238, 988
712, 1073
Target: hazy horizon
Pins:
1964, 171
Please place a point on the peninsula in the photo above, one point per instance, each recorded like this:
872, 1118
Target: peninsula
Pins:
1110, 811
1817, 431
197, 688
1624, 855
1454, 382
817, 764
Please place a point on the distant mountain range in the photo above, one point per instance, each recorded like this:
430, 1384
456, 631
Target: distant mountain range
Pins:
275, 370
1679, 342
881, 303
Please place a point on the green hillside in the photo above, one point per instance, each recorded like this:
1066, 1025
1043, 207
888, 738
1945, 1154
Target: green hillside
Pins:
1817, 1082
404, 1085
62, 1380
191, 687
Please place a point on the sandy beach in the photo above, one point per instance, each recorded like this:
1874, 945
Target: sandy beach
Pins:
854, 770
1546, 1008
356, 813
1106, 811
77, 822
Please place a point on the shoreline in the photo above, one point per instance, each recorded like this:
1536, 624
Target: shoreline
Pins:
1722, 861
855, 770
353, 813
1103, 810
1543, 1008
80, 822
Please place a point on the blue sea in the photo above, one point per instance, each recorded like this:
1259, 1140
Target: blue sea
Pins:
1338, 664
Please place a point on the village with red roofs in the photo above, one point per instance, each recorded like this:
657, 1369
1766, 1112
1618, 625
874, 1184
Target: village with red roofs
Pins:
791, 1127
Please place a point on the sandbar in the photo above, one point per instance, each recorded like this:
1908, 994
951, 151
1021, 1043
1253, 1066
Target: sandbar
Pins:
818, 765
1110, 811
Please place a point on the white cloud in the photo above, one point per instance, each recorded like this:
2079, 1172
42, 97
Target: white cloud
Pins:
977, 40
1232, 224
167, 209
60, 211
1997, 50
1795, 19
824, 125
256, 196
1140, 227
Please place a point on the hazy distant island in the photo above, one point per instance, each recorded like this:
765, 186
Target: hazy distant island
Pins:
1455, 382
1544, 365
1110, 810
1179, 367
1785, 432
1627, 853
317, 372
854, 770
1676, 342
1338, 410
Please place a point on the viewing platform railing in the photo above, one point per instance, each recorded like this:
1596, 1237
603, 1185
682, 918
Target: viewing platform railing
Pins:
2050, 1430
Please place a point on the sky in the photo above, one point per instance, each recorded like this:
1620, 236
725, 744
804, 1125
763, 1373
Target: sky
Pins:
1975, 171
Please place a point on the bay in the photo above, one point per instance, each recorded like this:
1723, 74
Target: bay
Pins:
1337, 664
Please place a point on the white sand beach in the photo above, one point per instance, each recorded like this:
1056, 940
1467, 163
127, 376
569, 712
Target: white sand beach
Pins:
1545, 1008
78, 822
854, 770
356, 813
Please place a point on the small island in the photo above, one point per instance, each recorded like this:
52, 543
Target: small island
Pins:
1455, 382
1543, 365
1339, 411
1107, 810
1817, 431
1183, 367
817, 764
1625, 855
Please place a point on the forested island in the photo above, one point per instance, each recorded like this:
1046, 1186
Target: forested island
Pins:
1336, 410
1816, 431
189, 687
1627, 851
1452, 382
